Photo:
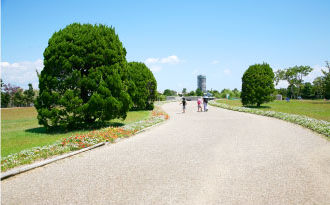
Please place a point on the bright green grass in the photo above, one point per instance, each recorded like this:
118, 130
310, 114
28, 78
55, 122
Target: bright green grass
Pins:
317, 109
20, 129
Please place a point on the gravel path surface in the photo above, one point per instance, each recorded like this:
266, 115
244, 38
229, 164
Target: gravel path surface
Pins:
215, 157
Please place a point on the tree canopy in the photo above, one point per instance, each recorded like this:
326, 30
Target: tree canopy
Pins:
184, 91
306, 91
199, 92
29, 94
326, 81
257, 85
294, 76
143, 88
168, 92
84, 77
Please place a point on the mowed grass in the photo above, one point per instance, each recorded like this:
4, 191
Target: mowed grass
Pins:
317, 109
20, 129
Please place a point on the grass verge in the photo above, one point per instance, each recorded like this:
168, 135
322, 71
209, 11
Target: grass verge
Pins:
320, 126
82, 140
317, 109
20, 129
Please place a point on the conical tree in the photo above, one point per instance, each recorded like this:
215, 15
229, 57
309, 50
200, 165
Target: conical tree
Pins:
84, 77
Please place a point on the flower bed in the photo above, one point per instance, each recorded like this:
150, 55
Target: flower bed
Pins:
78, 141
320, 126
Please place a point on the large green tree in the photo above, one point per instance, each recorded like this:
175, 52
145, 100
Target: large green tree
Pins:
84, 77
327, 81
257, 85
143, 88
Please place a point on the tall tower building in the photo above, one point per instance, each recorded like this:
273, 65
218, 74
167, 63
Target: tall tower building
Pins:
201, 82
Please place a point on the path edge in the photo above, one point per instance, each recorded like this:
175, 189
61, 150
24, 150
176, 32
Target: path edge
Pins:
16, 171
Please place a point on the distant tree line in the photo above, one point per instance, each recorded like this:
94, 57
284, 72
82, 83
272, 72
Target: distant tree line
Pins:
168, 92
318, 89
258, 84
235, 93
15, 96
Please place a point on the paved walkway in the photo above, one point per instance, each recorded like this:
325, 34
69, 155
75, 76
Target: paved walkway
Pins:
217, 157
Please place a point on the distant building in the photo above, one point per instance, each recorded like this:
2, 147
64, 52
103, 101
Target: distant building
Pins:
201, 82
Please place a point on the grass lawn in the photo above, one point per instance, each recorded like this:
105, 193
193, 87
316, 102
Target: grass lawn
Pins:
20, 129
317, 109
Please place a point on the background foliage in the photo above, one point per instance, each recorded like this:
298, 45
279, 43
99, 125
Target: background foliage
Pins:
143, 86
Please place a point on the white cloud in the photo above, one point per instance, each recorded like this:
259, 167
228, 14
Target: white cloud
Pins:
21, 73
282, 84
155, 68
152, 60
226, 72
4, 64
215, 62
170, 59
167, 60
315, 73
155, 64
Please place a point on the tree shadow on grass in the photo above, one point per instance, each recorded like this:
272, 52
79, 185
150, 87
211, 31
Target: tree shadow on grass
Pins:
320, 103
82, 127
256, 107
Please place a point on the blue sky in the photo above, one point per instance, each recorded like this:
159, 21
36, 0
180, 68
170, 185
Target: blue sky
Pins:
176, 39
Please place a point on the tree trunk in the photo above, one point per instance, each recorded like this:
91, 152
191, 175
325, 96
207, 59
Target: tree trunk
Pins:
299, 90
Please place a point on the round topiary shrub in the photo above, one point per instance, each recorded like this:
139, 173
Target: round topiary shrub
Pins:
257, 85
84, 77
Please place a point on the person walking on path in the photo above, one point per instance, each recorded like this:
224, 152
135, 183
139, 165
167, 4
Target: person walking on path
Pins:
199, 105
184, 104
205, 100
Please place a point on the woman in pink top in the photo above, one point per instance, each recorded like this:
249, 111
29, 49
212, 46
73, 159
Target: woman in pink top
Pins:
199, 105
